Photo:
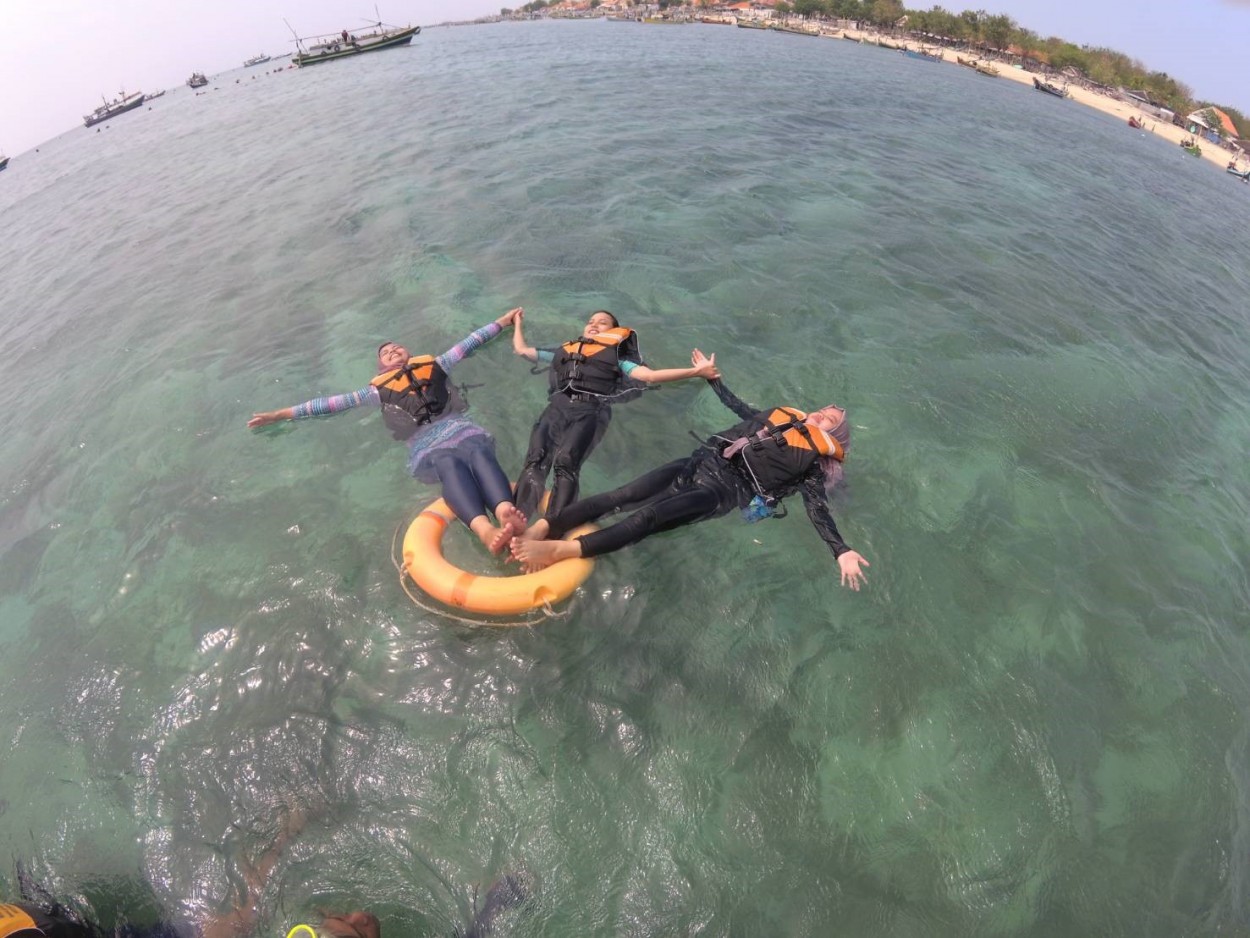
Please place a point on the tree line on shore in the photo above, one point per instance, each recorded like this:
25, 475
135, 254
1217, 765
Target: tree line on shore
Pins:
997, 32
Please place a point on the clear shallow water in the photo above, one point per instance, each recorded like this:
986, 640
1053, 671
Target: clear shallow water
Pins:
1032, 723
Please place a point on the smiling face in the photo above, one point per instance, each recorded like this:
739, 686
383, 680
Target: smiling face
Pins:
600, 321
827, 418
391, 356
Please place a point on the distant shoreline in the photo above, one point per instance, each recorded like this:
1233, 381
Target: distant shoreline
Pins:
1099, 102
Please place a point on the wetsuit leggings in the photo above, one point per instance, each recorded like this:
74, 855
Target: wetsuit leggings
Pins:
560, 442
681, 492
472, 479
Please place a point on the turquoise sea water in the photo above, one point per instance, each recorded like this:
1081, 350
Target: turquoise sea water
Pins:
1034, 720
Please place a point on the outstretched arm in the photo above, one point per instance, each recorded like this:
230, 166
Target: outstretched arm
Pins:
475, 340
816, 502
727, 397
518, 338
317, 407
702, 366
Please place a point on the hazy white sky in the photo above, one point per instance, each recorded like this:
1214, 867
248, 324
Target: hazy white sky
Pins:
59, 56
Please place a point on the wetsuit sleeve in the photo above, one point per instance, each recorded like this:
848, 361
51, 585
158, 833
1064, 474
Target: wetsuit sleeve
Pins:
627, 366
817, 504
544, 356
732, 401
468, 345
323, 406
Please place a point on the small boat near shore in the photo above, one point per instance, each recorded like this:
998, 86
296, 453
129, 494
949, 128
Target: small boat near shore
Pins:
923, 54
1135, 123
110, 109
1242, 174
1048, 88
197, 80
4, 161
1191, 147
345, 43
256, 60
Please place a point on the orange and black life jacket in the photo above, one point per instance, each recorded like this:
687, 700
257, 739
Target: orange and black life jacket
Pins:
24, 921
592, 364
414, 395
777, 449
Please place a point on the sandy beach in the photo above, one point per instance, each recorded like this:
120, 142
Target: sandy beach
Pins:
1117, 109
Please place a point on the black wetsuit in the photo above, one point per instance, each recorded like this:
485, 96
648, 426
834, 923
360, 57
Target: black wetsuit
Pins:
701, 486
568, 429
58, 922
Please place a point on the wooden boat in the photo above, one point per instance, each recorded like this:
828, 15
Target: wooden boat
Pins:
1191, 147
969, 63
197, 80
923, 55
985, 69
110, 109
751, 24
1048, 88
343, 44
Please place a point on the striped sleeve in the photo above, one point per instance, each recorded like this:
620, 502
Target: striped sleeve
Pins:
468, 345
324, 406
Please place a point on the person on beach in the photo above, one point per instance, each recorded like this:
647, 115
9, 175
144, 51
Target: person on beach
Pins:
422, 409
588, 374
772, 453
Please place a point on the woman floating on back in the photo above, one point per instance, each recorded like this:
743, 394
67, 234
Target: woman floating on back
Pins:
424, 411
769, 455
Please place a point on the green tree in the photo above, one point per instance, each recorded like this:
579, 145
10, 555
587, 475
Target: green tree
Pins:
997, 30
782, 7
886, 12
809, 7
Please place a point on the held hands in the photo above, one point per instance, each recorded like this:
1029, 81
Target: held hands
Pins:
704, 366
509, 317
850, 563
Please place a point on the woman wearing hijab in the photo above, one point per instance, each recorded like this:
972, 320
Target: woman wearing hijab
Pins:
772, 453
422, 409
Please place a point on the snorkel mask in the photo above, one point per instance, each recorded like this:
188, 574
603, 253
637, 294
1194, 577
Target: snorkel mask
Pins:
303, 931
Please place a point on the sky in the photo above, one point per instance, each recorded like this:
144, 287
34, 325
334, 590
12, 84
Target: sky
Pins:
60, 57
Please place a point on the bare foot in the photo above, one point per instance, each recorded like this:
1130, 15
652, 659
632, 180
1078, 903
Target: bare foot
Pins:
537, 555
537, 531
511, 524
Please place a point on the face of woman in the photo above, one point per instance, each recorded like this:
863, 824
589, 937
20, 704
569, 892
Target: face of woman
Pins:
827, 418
392, 356
599, 322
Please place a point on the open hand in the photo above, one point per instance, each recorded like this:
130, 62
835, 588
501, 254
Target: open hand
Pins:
264, 419
852, 576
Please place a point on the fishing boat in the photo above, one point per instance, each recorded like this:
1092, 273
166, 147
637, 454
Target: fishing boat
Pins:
986, 69
256, 60
752, 24
1191, 147
1048, 88
1242, 174
923, 54
197, 80
109, 109
342, 44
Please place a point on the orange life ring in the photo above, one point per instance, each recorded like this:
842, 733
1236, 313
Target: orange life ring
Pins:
488, 595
